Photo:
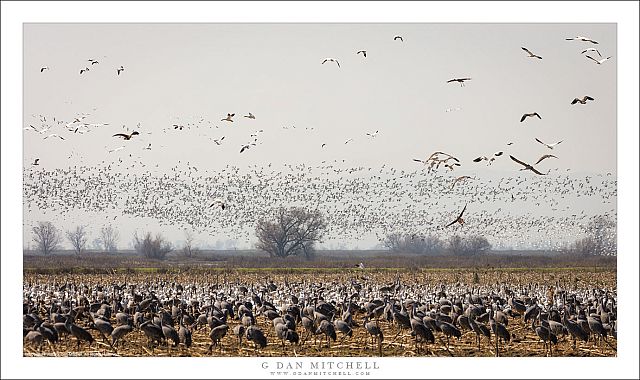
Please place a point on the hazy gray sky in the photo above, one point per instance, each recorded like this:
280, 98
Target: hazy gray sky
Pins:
185, 73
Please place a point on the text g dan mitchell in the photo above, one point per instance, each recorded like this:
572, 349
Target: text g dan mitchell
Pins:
321, 365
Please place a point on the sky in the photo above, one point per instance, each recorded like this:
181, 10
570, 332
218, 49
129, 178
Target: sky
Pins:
194, 74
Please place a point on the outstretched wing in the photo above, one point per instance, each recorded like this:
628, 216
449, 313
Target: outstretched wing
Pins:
460, 216
536, 171
544, 157
527, 50
523, 117
538, 140
593, 59
588, 98
518, 161
121, 135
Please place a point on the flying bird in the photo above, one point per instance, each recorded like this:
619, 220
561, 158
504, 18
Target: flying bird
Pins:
550, 146
219, 141
490, 160
526, 166
582, 100
36, 162
229, 117
120, 69
84, 70
545, 157
126, 136
598, 61
398, 38
348, 141
591, 49
374, 134
531, 55
458, 219
364, 53
54, 135
526, 115
458, 180
93, 61
250, 116
218, 202
323, 145
44, 68
331, 60
148, 147
244, 147
581, 38
459, 80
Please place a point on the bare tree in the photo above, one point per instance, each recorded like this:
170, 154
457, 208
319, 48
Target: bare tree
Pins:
294, 232
393, 241
414, 243
46, 237
109, 237
189, 240
78, 239
455, 245
152, 248
468, 245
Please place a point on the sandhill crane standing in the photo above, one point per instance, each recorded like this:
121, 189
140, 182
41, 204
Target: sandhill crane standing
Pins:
546, 335
479, 329
119, 332
255, 335
374, 331
531, 55
216, 335
574, 329
78, 332
500, 332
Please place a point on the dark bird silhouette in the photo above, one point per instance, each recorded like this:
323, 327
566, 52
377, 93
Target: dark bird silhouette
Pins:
363, 52
44, 68
458, 219
526, 166
398, 38
126, 136
459, 80
531, 55
545, 157
526, 115
582, 100
120, 69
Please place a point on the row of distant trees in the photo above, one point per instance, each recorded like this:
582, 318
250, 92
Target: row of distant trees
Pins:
48, 238
295, 231
434, 245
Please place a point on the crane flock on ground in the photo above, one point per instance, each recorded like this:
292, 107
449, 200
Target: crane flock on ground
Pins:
165, 315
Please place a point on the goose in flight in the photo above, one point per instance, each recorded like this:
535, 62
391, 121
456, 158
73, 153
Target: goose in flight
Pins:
348, 141
219, 141
93, 61
374, 134
250, 116
218, 202
591, 49
229, 117
599, 61
363, 52
458, 219
116, 149
550, 146
398, 38
331, 60
459, 80
526, 115
176, 126
84, 70
458, 180
44, 68
120, 69
54, 135
148, 147
531, 55
126, 136
526, 166
545, 157
582, 38
245, 147
323, 145
36, 162
582, 100
490, 160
